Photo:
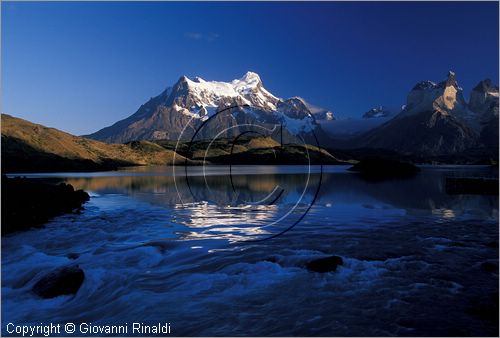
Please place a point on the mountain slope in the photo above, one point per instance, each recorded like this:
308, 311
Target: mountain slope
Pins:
348, 128
381, 112
484, 102
251, 150
222, 109
435, 121
319, 113
427, 133
28, 146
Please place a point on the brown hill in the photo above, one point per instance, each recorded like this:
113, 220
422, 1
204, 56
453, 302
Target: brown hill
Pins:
28, 147
251, 150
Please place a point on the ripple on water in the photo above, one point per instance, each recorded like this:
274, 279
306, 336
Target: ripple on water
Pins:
410, 266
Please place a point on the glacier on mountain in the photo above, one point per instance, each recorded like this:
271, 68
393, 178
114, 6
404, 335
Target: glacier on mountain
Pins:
181, 109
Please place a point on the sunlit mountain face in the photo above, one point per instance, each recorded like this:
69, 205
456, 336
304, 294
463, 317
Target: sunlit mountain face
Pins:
437, 120
215, 109
250, 168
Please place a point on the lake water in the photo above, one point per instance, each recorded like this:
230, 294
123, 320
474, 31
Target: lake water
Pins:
222, 252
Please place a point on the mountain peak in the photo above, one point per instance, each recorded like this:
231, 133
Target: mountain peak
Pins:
249, 80
251, 76
425, 85
486, 86
484, 101
319, 113
192, 101
451, 80
379, 112
445, 97
182, 83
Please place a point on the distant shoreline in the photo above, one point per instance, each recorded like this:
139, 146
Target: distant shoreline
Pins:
124, 170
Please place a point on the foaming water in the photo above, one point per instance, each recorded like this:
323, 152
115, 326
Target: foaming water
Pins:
162, 248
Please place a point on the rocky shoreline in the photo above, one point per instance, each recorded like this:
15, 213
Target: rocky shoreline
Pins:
29, 203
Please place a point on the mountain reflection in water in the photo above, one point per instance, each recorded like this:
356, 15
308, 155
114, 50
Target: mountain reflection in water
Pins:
215, 194
417, 261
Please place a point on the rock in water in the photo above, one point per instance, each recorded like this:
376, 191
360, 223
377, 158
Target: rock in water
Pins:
380, 169
326, 264
489, 267
73, 255
61, 281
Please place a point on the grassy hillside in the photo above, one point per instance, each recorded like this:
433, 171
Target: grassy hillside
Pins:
251, 150
29, 147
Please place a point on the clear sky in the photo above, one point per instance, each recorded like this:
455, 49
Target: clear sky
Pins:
83, 66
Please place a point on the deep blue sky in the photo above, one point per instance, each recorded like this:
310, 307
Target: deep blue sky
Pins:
82, 66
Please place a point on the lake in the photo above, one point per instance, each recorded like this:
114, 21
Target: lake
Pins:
222, 251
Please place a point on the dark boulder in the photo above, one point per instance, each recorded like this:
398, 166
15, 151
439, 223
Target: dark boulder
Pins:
61, 281
484, 307
380, 169
492, 244
326, 264
271, 259
489, 267
73, 255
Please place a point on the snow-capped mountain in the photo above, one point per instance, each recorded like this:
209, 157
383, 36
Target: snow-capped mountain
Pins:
198, 93
436, 120
346, 128
319, 113
381, 112
238, 105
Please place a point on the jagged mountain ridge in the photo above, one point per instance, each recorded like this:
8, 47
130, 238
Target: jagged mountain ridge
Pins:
381, 112
437, 120
180, 110
484, 102
318, 112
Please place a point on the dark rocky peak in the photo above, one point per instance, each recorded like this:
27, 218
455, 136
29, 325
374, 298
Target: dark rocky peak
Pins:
486, 86
423, 85
450, 81
378, 112
484, 100
294, 107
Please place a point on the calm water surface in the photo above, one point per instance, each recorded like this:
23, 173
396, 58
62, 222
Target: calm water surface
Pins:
192, 250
